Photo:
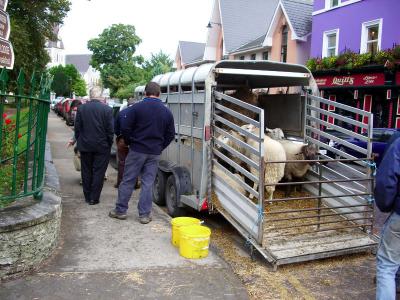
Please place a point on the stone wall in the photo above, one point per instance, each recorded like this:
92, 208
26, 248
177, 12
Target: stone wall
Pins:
29, 231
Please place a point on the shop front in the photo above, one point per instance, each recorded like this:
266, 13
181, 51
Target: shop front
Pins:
374, 89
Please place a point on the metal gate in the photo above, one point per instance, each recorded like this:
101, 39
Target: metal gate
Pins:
243, 213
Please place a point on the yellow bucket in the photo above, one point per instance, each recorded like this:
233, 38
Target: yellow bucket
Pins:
194, 242
179, 222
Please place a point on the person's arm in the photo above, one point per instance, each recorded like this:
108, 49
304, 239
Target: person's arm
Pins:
387, 179
109, 126
169, 131
78, 123
127, 123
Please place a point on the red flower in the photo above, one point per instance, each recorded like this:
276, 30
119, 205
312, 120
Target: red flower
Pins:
4, 115
8, 121
19, 135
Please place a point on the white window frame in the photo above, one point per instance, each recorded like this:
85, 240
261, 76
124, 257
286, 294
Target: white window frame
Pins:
328, 4
364, 34
325, 41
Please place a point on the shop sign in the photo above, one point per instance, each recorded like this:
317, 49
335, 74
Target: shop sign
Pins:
4, 25
3, 4
372, 79
6, 54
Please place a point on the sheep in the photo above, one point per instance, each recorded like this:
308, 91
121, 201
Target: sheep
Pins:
276, 133
273, 151
229, 142
229, 181
297, 151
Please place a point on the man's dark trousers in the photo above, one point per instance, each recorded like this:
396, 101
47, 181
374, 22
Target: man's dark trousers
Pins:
93, 168
136, 164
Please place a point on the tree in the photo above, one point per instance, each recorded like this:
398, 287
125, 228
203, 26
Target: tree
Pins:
114, 56
69, 82
32, 23
159, 63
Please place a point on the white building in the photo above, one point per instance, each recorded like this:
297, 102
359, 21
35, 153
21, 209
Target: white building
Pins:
82, 64
56, 50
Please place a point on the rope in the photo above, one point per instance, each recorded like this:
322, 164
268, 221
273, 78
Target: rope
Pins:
260, 217
372, 166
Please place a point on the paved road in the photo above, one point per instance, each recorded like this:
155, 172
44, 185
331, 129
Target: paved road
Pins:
103, 258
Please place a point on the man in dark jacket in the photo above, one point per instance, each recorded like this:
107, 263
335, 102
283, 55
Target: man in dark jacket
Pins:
148, 127
94, 133
387, 198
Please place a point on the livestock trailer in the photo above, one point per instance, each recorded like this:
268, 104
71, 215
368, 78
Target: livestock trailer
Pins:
332, 216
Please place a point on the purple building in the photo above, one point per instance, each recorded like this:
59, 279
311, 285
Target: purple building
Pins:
360, 26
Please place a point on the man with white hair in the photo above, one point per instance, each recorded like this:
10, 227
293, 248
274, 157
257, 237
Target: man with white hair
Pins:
94, 131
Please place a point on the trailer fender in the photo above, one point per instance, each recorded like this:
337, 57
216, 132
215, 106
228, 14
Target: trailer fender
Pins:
182, 178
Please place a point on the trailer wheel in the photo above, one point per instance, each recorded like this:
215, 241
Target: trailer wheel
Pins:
172, 196
159, 188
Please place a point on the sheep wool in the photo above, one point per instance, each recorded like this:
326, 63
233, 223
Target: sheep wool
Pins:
229, 181
293, 151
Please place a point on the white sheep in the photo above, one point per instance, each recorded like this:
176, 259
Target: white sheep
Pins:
229, 181
229, 142
273, 151
276, 133
297, 151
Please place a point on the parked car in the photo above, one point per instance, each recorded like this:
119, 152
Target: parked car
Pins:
71, 113
66, 106
58, 108
380, 138
331, 142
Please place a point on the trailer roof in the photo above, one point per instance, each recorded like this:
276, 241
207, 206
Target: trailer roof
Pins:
254, 74
261, 74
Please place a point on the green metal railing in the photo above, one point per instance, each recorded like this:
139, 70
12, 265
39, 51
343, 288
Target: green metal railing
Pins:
23, 124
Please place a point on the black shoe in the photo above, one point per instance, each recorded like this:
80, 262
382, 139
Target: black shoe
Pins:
114, 214
93, 202
145, 219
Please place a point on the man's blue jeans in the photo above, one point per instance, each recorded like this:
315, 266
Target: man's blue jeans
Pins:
136, 164
388, 259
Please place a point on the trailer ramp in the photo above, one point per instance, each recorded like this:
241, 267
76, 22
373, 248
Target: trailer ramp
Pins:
332, 217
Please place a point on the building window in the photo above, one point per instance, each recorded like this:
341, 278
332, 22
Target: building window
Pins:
241, 57
332, 3
330, 43
371, 36
284, 43
265, 55
253, 57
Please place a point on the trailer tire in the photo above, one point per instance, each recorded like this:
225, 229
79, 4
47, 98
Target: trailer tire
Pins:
159, 188
172, 197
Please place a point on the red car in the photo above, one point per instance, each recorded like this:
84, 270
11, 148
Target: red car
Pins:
66, 107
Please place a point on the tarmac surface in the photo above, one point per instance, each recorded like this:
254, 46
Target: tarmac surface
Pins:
103, 258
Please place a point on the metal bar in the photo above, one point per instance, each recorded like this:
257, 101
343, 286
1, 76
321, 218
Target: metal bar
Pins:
342, 142
261, 180
261, 73
2, 98
319, 197
320, 181
236, 128
321, 230
241, 183
15, 151
315, 209
236, 140
28, 141
340, 105
321, 223
337, 128
237, 115
220, 96
236, 153
236, 166
319, 216
336, 116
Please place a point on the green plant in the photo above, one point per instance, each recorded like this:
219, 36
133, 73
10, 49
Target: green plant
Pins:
312, 64
381, 57
329, 62
396, 52
362, 60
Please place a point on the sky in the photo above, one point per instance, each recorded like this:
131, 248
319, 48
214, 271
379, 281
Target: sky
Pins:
159, 23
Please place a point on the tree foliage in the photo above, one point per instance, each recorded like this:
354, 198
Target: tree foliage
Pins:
159, 63
114, 56
32, 23
67, 80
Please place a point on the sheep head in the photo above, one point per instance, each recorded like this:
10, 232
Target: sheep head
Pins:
310, 152
276, 133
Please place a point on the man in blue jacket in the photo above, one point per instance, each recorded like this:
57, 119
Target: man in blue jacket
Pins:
148, 127
387, 198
